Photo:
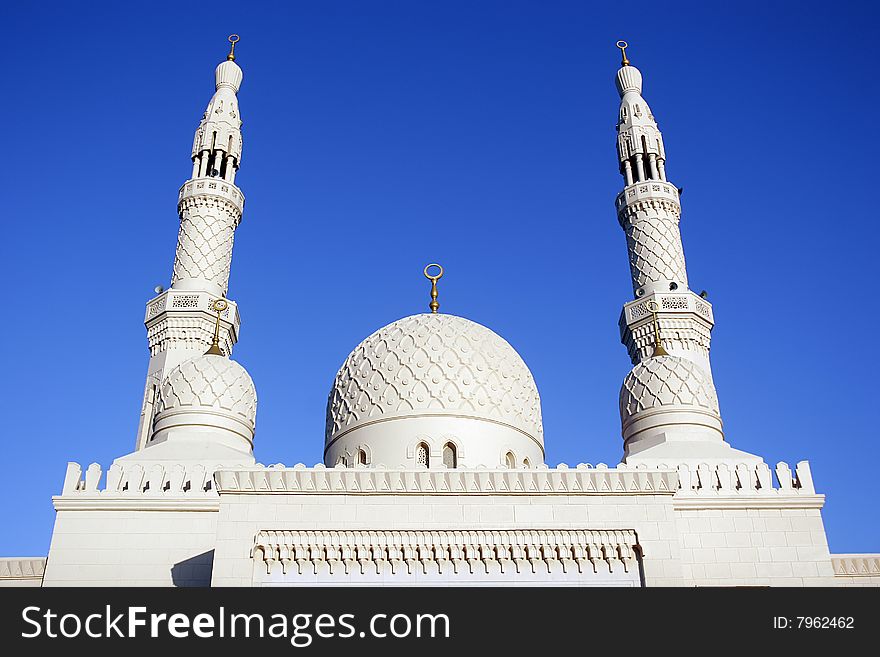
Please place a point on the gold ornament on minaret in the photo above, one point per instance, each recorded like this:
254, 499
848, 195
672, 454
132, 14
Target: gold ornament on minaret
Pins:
434, 305
233, 39
653, 307
218, 306
623, 45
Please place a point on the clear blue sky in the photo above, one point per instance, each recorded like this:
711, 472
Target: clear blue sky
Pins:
380, 136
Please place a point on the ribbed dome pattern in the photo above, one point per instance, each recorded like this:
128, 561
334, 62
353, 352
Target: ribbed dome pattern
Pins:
629, 78
228, 73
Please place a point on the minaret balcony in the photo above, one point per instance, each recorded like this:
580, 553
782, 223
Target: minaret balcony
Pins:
216, 187
685, 321
645, 190
181, 316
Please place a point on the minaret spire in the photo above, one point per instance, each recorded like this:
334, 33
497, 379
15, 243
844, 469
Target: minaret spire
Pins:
669, 408
623, 45
194, 315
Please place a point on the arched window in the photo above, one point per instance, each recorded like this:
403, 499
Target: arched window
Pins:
450, 457
526, 463
362, 457
422, 455
510, 460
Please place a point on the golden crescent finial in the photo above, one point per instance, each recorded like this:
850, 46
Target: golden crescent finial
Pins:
623, 45
653, 307
434, 305
218, 306
233, 39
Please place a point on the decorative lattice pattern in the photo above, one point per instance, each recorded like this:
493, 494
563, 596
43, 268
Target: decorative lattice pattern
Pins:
666, 381
204, 242
210, 382
185, 301
655, 251
434, 362
674, 303
422, 455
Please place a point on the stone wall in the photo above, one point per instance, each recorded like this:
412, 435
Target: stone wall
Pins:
154, 527
268, 526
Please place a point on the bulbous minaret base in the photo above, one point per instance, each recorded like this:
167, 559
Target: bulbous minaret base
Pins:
673, 436
206, 413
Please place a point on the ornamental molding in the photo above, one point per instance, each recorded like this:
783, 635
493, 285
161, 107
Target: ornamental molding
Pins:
140, 503
18, 568
202, 188
856, 565
649, 209
538, 551
776, 501
648, 190
440, 481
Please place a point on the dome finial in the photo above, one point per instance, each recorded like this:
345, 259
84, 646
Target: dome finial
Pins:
233, 39
623, 45
653, 307
434, 305
218, 306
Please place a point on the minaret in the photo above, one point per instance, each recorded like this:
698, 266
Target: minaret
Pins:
675, 373
180, 321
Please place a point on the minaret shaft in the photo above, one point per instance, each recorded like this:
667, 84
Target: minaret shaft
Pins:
649, 211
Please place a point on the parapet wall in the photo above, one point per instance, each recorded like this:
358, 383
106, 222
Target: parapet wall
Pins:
192, 482
134, 527
705, 482
710, 525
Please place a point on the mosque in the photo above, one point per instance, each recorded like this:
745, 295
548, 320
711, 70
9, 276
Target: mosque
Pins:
434, 471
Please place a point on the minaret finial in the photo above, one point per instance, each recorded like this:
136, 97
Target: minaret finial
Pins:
623, 45
218, 306
233, 39
434, 305
653, 307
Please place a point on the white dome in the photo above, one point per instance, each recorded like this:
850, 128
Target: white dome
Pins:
437, 366
666, 381
210, 383
228, 73
629, 79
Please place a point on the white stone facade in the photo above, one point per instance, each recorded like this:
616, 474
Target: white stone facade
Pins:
583, 526
434, 470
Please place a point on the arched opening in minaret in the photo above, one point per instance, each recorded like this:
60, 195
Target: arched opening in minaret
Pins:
422, 455
648, 160
450, 456
510, 460
361, 457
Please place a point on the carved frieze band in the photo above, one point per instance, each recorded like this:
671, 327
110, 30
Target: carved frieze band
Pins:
559, 481
440, 552
856, 565
22, 567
